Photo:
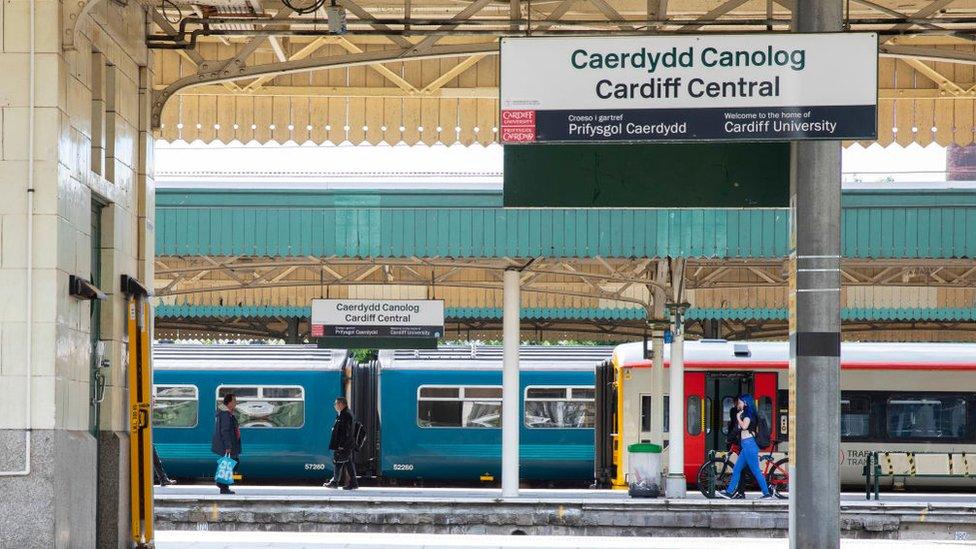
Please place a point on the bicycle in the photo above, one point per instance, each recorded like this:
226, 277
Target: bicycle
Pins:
777, 474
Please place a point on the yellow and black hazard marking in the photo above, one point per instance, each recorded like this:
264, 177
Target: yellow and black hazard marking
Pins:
140, 426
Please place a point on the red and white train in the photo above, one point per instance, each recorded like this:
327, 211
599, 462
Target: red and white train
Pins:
917, 397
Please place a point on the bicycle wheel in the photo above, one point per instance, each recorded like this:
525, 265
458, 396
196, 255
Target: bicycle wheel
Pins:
778, 478
723, 474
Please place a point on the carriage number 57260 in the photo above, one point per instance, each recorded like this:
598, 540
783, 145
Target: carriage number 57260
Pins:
314, 466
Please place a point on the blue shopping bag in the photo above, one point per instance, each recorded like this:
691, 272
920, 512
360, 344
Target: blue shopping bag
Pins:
225, 470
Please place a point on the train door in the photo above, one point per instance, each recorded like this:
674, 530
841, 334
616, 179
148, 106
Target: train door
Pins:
696, 410
709, 400
721, 390
765, 392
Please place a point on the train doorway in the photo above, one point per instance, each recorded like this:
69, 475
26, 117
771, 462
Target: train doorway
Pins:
721, 391
710, 396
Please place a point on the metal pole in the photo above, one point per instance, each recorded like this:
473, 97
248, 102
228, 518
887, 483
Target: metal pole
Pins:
676, 486
657, 358
815, 321
510, 385
657, 386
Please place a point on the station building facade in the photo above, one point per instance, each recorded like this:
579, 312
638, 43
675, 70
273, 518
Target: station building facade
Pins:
86, 212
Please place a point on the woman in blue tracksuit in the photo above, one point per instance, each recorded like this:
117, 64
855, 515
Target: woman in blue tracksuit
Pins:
748, 421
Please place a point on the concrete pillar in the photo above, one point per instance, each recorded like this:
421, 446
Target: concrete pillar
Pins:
815, 322
510, 385
676, 485
659, 297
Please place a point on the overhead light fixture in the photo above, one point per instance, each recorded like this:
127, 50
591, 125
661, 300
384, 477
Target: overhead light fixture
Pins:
337, 18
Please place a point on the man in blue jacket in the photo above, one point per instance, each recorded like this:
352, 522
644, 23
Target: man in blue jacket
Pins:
227, 436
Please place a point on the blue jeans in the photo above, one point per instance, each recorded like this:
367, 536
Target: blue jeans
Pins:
748, 455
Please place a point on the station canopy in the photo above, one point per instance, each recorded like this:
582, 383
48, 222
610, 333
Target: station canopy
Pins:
426, 71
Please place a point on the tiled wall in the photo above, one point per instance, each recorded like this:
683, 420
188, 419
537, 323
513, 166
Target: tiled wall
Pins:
64, 187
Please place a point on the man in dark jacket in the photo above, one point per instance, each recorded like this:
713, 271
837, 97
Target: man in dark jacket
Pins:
227, 436
341, 444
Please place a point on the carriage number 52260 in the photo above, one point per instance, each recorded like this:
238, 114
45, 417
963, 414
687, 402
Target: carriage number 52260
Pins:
314, 466
403, 466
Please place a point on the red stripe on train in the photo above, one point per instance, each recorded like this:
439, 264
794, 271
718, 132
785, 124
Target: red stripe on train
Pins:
780, 365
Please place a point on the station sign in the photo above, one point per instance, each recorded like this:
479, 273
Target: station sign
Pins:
750, 87
377, 323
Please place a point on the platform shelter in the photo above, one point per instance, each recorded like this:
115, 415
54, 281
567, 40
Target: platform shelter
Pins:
89, 85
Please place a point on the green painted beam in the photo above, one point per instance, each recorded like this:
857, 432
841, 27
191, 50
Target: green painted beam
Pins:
949, 314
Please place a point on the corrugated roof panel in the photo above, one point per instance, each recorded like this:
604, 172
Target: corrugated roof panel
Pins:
868, 232
907, 232
466, 232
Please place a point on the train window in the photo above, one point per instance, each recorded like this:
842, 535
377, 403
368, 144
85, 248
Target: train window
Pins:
282, 392
440, 392
582, 393
667, 414
645, 413
483, 392
708, 415
546, 392
281, 407
855, 417
559, 407
766, 409
482, 414
239, 392
475, 407
927, 418
727, 404
176, 406
694, 408
433, 413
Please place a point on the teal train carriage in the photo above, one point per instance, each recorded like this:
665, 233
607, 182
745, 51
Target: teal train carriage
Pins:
432, 416
284, 396
441, 413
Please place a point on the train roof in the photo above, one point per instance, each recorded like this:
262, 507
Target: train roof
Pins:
721, 351
246, 357
489, 357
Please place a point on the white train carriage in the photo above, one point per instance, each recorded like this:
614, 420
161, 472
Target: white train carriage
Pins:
895, 397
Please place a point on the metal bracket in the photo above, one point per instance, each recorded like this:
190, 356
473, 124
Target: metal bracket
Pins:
131, 286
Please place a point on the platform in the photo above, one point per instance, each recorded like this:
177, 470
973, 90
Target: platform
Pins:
171, 539
546, 512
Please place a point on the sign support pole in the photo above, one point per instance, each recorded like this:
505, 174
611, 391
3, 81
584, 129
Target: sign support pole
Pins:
510, 385
659, 298
815, 321
676, 485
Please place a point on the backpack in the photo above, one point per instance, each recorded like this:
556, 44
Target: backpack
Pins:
762, 433
358, 436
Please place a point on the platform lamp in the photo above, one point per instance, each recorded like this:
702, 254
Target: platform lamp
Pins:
336, 15
652, 326
677, 311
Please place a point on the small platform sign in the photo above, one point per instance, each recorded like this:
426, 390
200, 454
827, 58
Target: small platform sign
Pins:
377, 323
689, 88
